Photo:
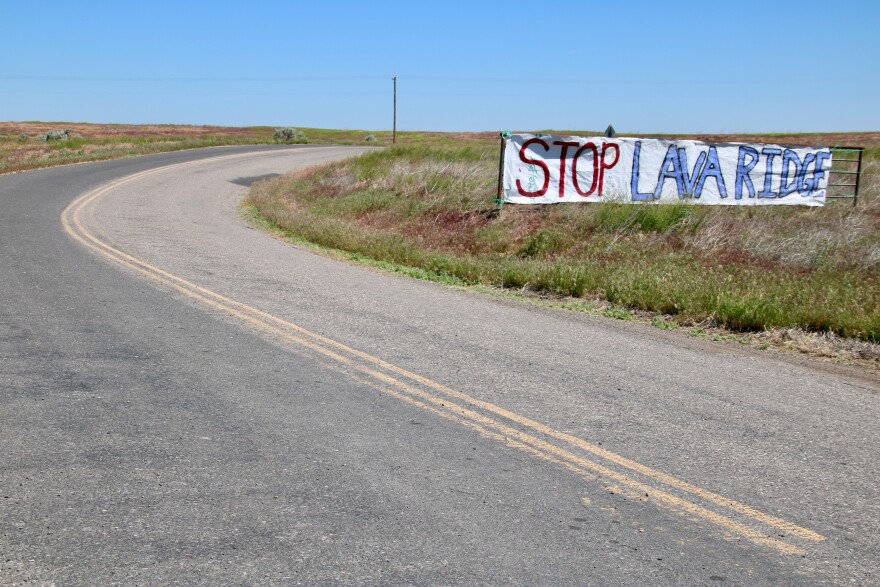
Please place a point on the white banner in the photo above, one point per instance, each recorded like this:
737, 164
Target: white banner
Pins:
546, 169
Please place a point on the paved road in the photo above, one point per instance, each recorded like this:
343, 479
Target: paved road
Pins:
188, 401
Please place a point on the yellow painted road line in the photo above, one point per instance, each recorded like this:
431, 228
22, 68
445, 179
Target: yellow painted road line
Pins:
390, 379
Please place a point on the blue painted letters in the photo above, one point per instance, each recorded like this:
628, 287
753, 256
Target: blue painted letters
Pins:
634, 183
690, 180
789, 157
743, 169
671, 169
771, 153
712, 168
819, 173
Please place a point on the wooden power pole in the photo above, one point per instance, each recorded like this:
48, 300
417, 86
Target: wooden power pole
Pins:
394, 132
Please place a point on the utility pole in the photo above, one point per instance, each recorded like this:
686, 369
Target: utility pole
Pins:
394, 132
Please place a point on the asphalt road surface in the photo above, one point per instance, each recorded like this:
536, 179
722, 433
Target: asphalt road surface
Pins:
187, 401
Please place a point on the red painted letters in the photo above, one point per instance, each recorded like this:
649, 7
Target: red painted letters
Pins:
601, 163
538, 162
574, 169
565, 145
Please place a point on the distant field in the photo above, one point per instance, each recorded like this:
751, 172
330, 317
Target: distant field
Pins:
429, 211
20, 148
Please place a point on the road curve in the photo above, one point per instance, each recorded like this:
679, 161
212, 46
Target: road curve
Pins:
188, 401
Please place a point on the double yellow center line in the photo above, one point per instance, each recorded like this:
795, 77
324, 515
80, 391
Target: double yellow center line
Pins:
489, 420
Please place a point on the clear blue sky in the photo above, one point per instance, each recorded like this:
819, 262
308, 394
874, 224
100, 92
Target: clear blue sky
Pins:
706, 66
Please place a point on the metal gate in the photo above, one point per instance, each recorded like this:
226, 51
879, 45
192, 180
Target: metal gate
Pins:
846, 171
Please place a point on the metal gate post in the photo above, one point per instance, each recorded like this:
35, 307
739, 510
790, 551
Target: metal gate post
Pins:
499, 200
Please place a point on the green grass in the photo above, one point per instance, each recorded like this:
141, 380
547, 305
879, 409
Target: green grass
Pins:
429, 209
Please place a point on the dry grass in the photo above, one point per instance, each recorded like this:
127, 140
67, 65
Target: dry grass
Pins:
822, 344
839, 234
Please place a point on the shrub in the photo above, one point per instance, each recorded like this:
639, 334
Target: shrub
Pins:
55, 135
290, 136
370, 139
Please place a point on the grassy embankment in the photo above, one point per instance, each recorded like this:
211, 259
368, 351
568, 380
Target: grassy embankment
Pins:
21, 148
428, 210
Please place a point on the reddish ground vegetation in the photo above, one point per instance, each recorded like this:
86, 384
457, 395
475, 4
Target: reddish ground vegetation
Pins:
117, 130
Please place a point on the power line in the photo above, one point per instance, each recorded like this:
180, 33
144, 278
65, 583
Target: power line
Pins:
72, 78
186, 93
600, 81
425, 78
394, 132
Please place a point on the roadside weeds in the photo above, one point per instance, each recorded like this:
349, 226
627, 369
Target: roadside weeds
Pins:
796, 342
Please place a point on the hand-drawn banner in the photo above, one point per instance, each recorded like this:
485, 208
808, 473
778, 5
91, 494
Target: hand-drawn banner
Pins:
546, 169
